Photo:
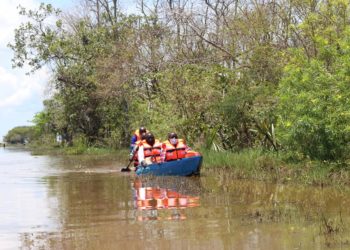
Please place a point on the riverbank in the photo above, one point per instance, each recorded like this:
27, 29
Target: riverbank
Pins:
276, 167
248, 164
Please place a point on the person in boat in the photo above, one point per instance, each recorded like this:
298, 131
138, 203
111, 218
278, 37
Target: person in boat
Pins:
149, 150
134, 152
174, 148
137, 136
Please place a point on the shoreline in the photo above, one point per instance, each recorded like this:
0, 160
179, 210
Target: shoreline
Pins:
252, 164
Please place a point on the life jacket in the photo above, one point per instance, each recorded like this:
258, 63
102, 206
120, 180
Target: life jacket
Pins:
191, 153
137, 134
152, 152
174, 152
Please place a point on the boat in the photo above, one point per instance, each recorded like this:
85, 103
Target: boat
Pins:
188, 166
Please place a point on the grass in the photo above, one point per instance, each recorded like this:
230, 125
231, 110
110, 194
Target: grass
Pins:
264, 165
79, 149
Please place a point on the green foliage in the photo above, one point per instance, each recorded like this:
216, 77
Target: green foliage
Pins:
80, 146
188, 96
34, 35
314, 93
248, 117
22, 134
314, 111
245, 159
216, 85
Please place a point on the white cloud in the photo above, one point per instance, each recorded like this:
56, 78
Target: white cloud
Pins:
16, 87
10, 19
21, 95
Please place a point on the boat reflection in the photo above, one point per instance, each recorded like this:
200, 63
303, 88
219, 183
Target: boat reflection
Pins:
152, 196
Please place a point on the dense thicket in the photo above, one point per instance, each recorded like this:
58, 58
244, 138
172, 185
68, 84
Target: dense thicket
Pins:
22, 135
226, 74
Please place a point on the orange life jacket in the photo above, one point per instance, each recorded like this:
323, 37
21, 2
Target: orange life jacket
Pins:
137, 134
191, 153
152, 152
174, 152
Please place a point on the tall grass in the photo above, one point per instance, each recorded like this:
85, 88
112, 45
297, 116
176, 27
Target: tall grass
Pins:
265, 165
244, 159
250, 163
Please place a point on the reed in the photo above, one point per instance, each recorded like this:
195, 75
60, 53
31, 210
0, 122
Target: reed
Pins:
278, 167
245, 159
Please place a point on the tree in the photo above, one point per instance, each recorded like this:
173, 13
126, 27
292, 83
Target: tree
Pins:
72, 54
313, 108
21, 135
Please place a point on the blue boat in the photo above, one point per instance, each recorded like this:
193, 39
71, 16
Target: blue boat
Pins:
182, 167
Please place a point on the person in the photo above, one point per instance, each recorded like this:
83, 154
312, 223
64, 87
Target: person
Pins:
137, 136
59, 139
174, 148
149, 150
133, 153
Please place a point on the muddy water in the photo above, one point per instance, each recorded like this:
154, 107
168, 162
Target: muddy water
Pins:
87, 203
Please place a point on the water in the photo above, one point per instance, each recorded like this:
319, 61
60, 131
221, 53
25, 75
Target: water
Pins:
51, 202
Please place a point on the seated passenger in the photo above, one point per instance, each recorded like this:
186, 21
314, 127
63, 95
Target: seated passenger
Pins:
134, 152
137, 136
149, 150
174, 148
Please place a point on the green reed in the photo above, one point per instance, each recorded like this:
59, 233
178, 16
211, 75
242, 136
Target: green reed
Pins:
265, 165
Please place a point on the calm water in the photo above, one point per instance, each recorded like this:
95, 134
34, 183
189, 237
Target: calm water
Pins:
87, 203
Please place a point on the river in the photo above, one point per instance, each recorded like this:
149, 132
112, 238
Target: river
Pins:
81, 202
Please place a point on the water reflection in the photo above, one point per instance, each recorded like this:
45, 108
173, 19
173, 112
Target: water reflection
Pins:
157, 193
83, 203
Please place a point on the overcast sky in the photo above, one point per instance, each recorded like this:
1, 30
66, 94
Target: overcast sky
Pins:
21, 95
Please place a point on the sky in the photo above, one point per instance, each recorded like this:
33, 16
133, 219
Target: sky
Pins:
22, 95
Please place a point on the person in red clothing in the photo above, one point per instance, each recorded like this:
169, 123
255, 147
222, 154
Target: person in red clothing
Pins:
174, 148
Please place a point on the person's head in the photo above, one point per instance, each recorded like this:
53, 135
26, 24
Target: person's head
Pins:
143, 136
142, 130
172, 137
150, 139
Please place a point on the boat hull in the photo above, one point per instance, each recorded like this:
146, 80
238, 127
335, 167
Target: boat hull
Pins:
183, 167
